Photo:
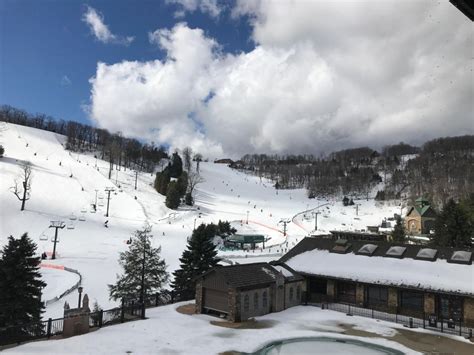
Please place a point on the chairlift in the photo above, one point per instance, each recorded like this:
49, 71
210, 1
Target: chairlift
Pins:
70, 225
101, 204
43, 237
72, 217
84, 210
82, 218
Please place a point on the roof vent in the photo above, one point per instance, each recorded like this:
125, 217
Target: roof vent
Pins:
367, 249
396, 252
341, 247
461, 257
427, 254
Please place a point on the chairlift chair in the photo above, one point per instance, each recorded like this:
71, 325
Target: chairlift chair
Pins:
43, 237
70, 225
72, 217
82, 218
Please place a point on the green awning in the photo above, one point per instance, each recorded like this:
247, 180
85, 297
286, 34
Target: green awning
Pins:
246, 238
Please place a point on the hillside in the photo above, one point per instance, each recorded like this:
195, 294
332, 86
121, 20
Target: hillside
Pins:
65, 184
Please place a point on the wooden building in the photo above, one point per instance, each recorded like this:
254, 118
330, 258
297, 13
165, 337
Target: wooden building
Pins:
243, 291
420, 218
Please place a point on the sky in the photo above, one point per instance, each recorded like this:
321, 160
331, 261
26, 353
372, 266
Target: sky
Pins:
228, 78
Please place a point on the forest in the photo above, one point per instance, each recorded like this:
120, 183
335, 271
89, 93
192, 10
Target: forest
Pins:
439, 170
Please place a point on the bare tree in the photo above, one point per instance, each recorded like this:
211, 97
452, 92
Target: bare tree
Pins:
197, 159
194, 179
23, 192
187, 157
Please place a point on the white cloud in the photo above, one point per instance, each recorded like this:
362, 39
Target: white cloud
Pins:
65, 81
99, 29
211, 7
317, 81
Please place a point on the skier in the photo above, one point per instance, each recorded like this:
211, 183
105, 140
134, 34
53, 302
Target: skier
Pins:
106, 224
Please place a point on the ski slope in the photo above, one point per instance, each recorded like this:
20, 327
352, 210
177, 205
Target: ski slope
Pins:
65, 185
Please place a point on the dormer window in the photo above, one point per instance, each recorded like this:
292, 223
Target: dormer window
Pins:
367, 249
396, 252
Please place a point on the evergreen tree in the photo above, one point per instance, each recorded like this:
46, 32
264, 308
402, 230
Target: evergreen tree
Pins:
140, 260
161, 182
398, 234
183, 183
188, 199
173, 196
453, 227
199, 257
20, 283
175, 167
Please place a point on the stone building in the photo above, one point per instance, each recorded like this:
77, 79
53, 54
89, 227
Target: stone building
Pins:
243, 291
405, 279
420, 218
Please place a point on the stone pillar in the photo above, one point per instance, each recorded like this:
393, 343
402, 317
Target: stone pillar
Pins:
331, 290
429, 306
392, 299
198, 297
76, 320
468, 312
360, 295
234, 305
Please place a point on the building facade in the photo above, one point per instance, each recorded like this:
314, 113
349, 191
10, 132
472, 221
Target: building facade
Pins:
420, 218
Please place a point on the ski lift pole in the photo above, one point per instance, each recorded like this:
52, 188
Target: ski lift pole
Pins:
56, 225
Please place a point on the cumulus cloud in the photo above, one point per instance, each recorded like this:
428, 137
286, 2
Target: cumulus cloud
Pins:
95, 21
211, 7
318, 80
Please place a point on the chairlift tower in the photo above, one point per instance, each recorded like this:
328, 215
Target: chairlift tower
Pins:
108, 190
56, 225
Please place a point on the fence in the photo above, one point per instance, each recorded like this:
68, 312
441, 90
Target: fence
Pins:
440, 324
130, 310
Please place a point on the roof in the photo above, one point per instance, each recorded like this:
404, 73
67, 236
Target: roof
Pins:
245, 275
246, 238
422, 210
313, 257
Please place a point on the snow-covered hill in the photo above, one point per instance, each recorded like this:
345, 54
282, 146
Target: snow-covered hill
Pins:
65, 185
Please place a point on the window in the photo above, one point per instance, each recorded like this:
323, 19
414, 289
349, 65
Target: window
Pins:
346, 292
255, 301
246, 303
377, 296
264, 299
367, 249
298, 293
450, 307
291, 294
411, 300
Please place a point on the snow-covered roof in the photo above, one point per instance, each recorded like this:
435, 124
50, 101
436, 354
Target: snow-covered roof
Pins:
285, 272
437, 276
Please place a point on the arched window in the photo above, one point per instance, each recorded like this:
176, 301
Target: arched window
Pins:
298, 293
246, 303
255, 301
264, 299
291, 293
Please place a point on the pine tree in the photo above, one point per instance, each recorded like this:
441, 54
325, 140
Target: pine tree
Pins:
20, 283
199, 257
172, 196
140, 260
183, 183
175, 168
453, 227
398, 234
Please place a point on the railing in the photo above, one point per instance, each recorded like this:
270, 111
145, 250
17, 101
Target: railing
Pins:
129, 311
421, 320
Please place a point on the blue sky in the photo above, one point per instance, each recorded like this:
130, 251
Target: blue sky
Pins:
228, 78
48, 53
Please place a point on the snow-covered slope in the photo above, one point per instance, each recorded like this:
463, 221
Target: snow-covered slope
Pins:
65, 184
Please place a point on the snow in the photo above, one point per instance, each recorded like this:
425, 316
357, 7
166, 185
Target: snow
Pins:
164, 333
57, 282
285, 272
85, 245
437, 275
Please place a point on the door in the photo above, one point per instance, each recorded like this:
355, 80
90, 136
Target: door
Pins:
215, 300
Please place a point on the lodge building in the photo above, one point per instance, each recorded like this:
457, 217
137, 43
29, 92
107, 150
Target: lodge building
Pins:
404, 279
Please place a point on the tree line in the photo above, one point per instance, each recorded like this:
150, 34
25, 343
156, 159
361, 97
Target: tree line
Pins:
113, 147
440, 169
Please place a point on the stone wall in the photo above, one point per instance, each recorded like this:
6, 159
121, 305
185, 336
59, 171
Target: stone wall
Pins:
468, 312
360, 295
392, 299
429, 304
294, 300
199, 296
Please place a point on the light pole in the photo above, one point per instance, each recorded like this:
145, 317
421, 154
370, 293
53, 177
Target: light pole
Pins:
194, 228
315, 214
57, 225
80, 293
247, 217
136, 177
142, 293
96, 191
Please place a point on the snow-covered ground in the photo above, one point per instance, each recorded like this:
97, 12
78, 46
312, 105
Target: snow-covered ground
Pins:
65, 184
163, 333
57, 281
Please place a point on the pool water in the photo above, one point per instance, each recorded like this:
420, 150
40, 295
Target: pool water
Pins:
324, 345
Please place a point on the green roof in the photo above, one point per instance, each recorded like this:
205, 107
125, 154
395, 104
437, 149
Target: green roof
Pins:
246, 238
